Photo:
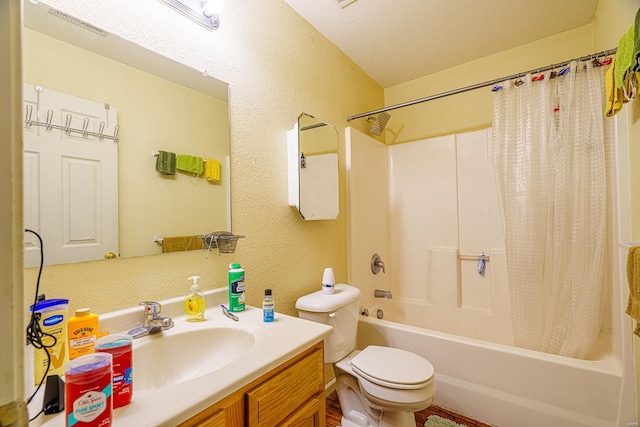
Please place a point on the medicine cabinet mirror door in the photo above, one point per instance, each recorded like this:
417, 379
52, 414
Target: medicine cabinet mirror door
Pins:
317, 169
162, 105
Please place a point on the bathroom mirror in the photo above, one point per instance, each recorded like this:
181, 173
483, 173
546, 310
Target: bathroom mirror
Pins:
313, 168
161, 105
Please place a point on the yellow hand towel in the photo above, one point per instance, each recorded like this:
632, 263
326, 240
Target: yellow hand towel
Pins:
633, 277
615, 96
181, 243
212, 170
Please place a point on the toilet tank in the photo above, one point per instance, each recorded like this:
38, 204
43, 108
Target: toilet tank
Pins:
339, 310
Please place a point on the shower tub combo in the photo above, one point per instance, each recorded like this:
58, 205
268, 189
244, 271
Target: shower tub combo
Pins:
504, 385
442, 205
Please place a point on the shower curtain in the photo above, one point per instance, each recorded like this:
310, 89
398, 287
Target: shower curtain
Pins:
551, 145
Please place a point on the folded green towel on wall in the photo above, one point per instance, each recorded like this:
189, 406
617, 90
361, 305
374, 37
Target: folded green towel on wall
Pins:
188, 163
635, 59
166, 163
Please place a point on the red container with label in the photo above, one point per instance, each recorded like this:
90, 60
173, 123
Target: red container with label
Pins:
87, 391
120, 347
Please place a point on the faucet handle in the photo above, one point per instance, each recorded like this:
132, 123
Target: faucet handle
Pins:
151, 307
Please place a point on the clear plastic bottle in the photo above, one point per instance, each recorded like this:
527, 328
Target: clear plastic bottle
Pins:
267, 306
195, 303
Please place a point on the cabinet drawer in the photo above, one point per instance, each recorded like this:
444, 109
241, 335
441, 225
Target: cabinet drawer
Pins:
227, 413
275, 399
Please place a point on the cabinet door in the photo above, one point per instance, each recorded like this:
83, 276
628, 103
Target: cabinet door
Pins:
311, 414
274, 401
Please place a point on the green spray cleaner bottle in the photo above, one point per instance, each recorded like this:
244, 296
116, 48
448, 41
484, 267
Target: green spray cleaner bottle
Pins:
236, 287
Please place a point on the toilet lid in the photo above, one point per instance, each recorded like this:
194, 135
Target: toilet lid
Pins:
392, 367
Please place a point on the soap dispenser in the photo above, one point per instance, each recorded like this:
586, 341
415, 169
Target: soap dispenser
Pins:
195, 303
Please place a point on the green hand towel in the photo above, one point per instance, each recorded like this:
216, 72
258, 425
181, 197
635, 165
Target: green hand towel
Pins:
166, 163
624, 55
190, 164
635, 60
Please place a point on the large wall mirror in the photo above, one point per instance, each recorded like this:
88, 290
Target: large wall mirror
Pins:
313, 167
161, 106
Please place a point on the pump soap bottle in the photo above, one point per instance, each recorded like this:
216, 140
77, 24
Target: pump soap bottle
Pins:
195, 303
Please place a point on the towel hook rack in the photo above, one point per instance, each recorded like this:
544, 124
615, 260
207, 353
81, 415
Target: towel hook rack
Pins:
48, 125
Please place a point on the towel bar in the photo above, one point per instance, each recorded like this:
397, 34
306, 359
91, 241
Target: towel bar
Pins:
473, 257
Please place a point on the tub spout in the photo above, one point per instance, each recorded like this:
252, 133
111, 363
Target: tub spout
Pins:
383, 294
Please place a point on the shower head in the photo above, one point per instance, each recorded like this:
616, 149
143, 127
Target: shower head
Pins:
379, 123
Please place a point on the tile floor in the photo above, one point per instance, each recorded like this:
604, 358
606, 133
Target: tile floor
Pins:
334, 414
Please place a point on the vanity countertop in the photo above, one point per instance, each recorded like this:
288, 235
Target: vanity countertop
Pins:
275, 343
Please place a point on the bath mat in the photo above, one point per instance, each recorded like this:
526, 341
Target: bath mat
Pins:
436, 421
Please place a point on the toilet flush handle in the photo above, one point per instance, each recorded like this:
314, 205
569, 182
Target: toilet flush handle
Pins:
332, 315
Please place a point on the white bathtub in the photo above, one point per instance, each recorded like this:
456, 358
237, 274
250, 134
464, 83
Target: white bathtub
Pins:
511, 387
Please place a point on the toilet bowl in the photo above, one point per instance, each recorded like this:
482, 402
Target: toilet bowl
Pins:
376, 386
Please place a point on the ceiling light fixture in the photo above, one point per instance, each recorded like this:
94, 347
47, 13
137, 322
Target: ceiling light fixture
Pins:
203, 12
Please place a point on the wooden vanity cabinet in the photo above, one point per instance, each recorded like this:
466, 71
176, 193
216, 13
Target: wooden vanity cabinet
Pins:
290, 395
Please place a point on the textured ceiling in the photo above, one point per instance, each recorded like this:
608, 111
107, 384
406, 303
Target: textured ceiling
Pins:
398, 41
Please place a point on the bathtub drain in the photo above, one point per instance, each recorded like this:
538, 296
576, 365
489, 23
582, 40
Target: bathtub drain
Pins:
380, 314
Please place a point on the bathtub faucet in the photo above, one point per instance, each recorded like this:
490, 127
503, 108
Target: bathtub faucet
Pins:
383, 294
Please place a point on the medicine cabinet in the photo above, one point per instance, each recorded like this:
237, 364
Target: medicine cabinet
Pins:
313, 168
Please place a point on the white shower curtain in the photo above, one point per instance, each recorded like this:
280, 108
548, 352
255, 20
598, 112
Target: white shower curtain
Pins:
551, 146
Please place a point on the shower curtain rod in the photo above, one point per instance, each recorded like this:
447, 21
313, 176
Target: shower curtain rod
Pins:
480, 85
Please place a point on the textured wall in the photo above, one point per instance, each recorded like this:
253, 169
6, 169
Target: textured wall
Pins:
277, 66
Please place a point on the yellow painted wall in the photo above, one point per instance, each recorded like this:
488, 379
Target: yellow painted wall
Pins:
277, 66
473, 110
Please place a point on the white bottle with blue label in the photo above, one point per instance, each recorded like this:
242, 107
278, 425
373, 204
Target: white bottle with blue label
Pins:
328, 281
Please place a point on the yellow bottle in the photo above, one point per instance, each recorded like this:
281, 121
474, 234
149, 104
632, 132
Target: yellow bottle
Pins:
195, 304
82, 333
53, 322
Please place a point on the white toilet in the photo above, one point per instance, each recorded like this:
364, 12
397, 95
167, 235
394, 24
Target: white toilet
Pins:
377, 386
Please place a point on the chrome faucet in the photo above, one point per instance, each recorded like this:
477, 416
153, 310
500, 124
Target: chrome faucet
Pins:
153, 322
383, 294
377, 264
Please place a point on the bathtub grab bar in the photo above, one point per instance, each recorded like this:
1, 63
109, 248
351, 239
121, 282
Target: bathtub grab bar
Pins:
473, 257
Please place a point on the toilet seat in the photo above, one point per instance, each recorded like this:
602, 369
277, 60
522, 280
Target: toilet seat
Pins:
393, 368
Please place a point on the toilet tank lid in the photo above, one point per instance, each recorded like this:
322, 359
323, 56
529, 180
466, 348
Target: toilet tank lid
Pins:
320, 302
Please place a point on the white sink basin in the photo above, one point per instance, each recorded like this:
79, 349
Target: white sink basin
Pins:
170, 358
